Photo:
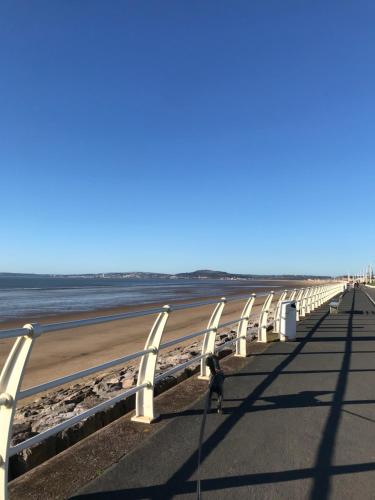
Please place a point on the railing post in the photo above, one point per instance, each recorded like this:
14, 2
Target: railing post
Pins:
277, 318
317, 294
144, 405
10, 383
293, 294
305, 296
321, 297
242, 328
262, 329
310, 300
208, 345
298, 303
313, 298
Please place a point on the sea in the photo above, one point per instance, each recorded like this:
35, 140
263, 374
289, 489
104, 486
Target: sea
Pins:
28, 297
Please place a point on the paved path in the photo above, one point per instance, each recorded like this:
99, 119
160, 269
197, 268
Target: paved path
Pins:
298, 422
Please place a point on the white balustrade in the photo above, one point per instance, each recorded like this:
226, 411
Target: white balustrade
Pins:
277, 318
12, 374
243, 327
263, 318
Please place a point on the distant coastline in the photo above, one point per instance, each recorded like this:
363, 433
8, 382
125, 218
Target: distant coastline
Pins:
199, 274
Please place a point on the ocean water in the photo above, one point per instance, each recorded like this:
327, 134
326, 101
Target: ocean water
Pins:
42, 296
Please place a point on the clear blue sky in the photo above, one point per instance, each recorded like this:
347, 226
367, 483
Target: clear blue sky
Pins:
176, 135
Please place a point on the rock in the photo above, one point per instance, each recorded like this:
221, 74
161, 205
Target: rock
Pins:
127, 383
74, 397
21, 427
183, 357
195, 353
164, 367
67, 415
22, 436
61, 406
27, 413
115, 387
173, 360
114, 380
87, 403
104, 387
127, 375
45, 423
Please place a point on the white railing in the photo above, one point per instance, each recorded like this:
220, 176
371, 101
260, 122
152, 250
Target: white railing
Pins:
12, 374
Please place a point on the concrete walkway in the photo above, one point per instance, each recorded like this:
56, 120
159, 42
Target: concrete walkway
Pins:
298, 422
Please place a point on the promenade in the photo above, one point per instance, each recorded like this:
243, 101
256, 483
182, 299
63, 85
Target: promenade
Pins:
298, 422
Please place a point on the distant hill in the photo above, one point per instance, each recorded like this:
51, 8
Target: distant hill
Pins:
199, 274
207, 273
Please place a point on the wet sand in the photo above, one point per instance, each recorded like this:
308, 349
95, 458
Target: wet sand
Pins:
61, 353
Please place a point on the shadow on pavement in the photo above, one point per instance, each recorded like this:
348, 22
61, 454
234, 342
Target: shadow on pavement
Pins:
181, 483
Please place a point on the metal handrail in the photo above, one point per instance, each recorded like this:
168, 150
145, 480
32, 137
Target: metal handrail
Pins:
182, 339
12, 333
232, 322
81, 374
229, 342
71, 421
178, 368
68, 325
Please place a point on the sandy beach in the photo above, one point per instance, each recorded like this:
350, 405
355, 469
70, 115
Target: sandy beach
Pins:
62, 353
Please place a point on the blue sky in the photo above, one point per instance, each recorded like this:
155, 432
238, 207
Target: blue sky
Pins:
176, 135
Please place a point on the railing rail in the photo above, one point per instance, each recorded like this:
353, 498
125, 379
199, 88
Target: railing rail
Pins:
13, 371
77, 375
